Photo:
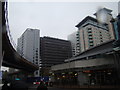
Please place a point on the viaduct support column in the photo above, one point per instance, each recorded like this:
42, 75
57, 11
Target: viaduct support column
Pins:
0, 41
82, 78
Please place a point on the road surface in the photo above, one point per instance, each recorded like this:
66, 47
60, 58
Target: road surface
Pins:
54, 88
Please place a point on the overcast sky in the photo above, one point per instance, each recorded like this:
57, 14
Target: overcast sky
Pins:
54, 19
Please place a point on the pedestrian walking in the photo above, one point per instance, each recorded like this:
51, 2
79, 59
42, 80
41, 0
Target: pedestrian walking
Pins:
42, 86
5, 86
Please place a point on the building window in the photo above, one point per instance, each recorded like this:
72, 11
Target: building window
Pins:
89, 28
36, 53
77, 43
101, 40
91, 44
36, 56
90, 37
101, 35
90, 40
90, 34
36, 72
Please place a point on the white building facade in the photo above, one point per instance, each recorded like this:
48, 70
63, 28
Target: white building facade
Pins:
104, 15
91, 32
28, 46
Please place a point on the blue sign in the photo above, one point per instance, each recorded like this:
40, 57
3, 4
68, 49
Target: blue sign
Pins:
0, 74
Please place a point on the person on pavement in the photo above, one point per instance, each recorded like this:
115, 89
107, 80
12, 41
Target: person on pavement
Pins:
5, 86
42, 86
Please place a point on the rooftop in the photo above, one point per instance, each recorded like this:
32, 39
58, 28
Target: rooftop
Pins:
85, 19
47, 37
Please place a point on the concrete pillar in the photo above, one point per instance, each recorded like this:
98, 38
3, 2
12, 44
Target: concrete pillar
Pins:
0, 41
82, 78
0, 34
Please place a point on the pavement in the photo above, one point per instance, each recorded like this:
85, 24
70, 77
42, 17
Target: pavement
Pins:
33, 87
55, 88
1, 86
93, 87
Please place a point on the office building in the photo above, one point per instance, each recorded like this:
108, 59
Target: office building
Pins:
28, 46
105, 15
92, 32
54, 51
74, 42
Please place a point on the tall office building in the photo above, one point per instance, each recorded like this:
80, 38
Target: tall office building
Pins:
91, 32
54, 51
74, 42
28, 46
